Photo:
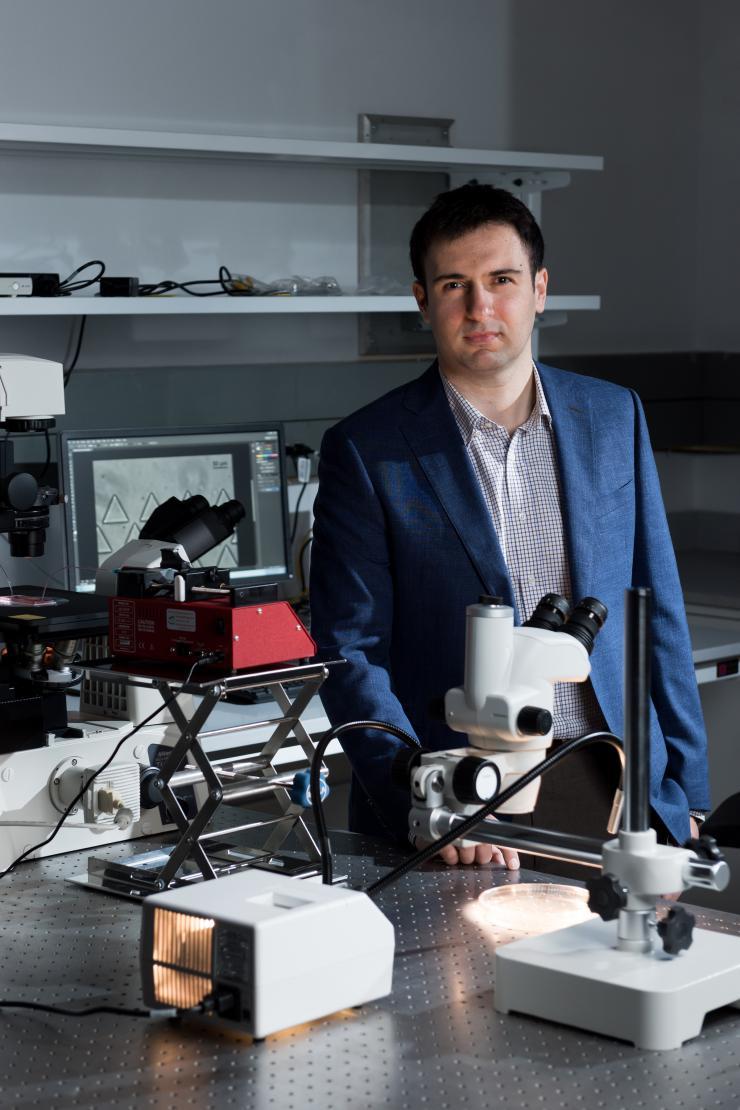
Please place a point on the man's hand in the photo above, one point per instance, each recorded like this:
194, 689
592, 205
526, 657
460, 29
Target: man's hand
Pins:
694, 827
480, 853
454, 855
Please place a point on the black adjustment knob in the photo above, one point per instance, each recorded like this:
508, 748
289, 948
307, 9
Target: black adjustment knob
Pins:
677, 930
706, 847
489, 599
533, 721
20, 490
404, 764
475, 780
606, 896
151, 796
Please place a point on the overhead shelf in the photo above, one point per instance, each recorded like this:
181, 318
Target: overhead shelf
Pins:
40, 137
237, 306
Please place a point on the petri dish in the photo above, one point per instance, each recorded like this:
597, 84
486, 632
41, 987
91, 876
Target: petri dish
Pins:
530, 909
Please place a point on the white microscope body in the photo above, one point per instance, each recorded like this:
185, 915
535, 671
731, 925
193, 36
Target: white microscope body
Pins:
506, 704
505, 707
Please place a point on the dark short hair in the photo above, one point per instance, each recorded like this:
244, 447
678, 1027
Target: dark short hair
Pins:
467, 208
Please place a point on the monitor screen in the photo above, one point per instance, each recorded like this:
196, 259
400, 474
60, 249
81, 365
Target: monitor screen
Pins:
114, 480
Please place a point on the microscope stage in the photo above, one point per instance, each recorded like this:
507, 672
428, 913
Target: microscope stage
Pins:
578, 977
71, 616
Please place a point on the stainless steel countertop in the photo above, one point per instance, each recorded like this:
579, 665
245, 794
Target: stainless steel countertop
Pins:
714, 637
435, 1042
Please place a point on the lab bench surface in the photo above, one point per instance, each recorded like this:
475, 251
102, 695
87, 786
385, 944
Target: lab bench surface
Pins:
436, 1042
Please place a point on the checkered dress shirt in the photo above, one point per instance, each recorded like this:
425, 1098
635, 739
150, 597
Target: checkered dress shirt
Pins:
518, 476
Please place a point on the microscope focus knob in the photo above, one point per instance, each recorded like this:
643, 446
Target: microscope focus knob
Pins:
475, 780
20, 490
533, 721
677, 930
606, 896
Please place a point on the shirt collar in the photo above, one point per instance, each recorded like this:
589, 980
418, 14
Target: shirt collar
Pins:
469, 419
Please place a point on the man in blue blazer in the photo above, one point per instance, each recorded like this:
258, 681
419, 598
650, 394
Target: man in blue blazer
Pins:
418, 513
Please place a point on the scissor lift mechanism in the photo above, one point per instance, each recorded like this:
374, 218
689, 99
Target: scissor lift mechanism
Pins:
229, 780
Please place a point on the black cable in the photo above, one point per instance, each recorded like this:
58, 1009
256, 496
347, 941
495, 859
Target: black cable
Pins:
109, 760
120, 1010
490, 807
73, 363
301, 569
68, 286
294, 529
186, 287
154, 289
225, 281
213, 1003
157, 288
327, 867
47, 460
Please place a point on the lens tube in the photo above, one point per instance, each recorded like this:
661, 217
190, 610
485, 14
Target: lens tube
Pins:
551, 613
585, 622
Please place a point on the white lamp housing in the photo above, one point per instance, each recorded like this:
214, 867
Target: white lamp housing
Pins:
284, 950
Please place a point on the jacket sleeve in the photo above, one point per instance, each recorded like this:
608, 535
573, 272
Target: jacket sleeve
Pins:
352, 616
675, 693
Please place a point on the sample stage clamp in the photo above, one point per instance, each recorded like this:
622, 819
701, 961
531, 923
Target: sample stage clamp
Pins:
191, 786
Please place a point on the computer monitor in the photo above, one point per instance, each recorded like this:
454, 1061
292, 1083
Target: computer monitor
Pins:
113, 481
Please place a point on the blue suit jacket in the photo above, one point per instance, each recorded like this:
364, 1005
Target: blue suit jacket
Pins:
403, 542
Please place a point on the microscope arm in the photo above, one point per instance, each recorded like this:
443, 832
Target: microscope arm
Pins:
467, 823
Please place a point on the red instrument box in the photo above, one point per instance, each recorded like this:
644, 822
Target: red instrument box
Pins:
161, 630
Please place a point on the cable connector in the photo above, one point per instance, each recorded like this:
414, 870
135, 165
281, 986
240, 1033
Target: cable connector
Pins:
111, 802
301, 454
220, 1002
210, 657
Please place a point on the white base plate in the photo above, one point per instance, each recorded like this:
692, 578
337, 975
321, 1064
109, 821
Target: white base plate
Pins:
577, 976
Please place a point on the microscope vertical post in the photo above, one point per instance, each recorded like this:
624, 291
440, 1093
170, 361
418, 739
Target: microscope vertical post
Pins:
636, 816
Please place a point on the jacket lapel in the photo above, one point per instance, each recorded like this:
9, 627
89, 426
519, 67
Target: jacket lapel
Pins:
433, 436
572, 422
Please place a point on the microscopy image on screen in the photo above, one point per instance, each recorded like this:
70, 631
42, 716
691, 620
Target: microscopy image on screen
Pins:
128, 490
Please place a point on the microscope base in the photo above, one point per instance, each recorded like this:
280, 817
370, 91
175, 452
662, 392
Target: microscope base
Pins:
577, 976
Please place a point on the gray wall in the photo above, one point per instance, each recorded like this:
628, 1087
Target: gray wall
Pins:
623, 80
650, 86
718, 185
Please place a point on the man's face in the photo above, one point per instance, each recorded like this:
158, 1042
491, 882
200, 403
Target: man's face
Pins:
480, 300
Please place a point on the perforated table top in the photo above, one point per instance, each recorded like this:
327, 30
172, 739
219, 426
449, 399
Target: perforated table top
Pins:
436, 1042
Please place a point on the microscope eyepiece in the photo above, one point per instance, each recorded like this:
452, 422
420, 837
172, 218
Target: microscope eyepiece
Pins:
586, 620
551, 613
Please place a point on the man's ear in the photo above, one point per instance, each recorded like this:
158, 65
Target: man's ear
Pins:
540, 289
420, 294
